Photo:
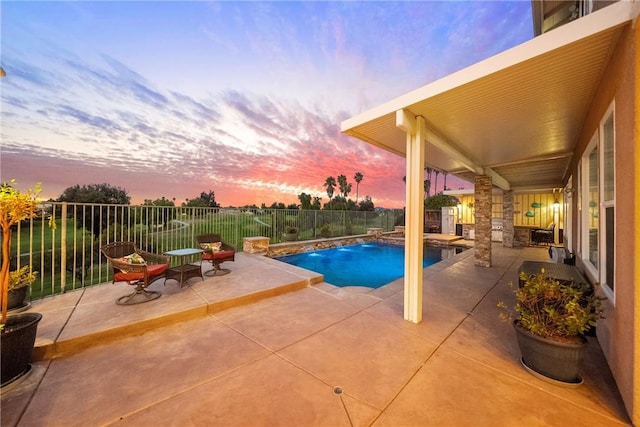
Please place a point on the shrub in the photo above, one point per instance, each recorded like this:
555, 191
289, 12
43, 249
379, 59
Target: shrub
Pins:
555, 310
325, 231
21, 278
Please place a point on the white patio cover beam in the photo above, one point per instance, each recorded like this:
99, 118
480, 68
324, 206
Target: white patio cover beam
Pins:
414, 213
497, 180
439, 142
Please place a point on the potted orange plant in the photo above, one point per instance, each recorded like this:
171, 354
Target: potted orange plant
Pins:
18, 333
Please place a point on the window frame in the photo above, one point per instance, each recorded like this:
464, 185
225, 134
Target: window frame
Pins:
599, 141
587, 211
608, 289
568, 213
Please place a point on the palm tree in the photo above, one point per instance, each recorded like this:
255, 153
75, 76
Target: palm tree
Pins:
358, 177
330, 184
427, 183
435, 186
345, 187
316, 204
445, 180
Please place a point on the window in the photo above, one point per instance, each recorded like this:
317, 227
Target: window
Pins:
591, 211
568, 212
608, 159
608, 199
596, 203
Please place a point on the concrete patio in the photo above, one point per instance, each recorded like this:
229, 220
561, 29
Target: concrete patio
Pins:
271, 344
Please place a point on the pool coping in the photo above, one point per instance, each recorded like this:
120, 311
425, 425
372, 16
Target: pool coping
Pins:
443, 263
392, 237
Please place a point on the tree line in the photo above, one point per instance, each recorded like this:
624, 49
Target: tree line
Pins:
112, 195
341, 201
338, 191
107, 194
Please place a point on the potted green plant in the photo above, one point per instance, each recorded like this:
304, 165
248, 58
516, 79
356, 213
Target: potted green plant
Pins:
291, 234
19, 282
18, 332
553, 317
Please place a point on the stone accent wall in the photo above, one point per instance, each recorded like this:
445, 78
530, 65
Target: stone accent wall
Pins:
287, 248
255, 245
375, 231
507, 219
522, 236
482, 205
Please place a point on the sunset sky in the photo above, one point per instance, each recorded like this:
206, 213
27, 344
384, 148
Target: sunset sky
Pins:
243, 98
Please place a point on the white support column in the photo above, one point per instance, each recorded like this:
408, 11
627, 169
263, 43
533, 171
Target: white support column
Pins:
414, 214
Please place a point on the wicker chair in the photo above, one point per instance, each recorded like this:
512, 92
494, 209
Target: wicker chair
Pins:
138, 275
544, 235
216, 257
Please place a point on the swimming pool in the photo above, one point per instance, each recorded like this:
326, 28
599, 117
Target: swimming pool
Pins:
369, 264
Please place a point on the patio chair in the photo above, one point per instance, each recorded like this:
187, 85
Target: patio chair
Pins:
216, 252
136, 267
544, 235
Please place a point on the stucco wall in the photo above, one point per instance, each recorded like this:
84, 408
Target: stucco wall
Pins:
616, 332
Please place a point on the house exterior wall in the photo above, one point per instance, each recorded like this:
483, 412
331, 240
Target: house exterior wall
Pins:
522, 203
635, 416
617, 332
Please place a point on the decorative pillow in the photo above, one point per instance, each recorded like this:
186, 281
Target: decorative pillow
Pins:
133, 259
213, 247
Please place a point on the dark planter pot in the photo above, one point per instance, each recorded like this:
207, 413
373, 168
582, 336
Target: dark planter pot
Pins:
17, 298
290, 237
18, 338
555, 360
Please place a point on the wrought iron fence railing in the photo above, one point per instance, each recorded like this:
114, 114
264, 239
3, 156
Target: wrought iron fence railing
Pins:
63, 243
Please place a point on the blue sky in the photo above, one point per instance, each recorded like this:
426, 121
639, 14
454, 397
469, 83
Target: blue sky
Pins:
243, 98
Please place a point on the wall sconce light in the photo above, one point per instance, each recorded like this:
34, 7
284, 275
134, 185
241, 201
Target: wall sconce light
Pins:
556, 202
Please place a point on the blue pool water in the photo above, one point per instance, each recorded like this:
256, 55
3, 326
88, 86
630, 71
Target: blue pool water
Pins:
368, 264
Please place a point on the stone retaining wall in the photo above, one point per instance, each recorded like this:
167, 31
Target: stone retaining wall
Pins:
255, 245
287, 248
521, 236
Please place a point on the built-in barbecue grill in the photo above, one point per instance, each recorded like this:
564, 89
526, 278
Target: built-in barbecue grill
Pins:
496, 229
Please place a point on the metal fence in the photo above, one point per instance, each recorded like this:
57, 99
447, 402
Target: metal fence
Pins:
63, 243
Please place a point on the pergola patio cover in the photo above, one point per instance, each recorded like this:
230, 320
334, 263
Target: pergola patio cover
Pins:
515, 117
518, 113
